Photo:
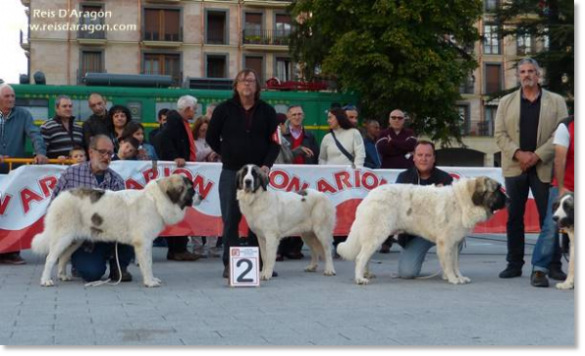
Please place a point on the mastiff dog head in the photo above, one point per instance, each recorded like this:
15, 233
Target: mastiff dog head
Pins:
564, 211
180, 191
251, 178
487, 193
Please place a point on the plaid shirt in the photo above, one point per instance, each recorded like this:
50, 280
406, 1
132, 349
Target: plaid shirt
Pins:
80, 176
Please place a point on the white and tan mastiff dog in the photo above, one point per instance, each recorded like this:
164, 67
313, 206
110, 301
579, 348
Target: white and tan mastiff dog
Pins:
443, 215
133, 217
273, 215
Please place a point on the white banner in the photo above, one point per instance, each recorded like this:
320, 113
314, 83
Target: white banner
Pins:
25, 193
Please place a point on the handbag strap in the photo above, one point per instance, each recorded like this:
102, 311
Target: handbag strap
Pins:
342, 149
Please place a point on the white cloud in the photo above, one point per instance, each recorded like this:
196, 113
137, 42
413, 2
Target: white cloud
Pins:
13, 62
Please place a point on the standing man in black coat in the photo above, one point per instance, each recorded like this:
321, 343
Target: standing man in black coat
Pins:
241, 131
177, 144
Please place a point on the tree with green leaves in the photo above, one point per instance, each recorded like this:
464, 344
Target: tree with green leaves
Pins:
548, 21
407, 54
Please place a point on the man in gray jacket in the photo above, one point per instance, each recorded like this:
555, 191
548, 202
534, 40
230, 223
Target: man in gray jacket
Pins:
15, 124
525, 123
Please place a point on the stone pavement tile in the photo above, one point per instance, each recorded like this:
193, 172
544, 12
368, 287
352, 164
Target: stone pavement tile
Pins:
72, 336
29, 338
194, 307
40, 326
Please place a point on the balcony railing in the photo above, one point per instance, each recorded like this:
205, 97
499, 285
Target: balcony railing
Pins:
266, 37
216, 37
92, 35
477, 128
166, 37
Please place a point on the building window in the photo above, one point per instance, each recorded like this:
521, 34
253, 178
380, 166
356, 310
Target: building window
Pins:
162, 25
257, 64
465, 120
90, 62
493, 78
524, 45
253, 25
486, 127
284, 69
545, 40
216, 27
163, 64
491, 44
216, 66
91, 26
491, 5
253, 29
282, 29
467, 86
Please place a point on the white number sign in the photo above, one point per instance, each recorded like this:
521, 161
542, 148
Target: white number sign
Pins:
244, 267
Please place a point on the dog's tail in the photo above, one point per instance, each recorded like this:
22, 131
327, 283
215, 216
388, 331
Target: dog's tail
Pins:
350, 248
40, 244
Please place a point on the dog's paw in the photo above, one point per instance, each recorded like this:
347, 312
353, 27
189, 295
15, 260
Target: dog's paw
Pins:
565, 285
153, 283
311, 268
464, 280
65, 278
362, 281
265, 276
369, 275
329, 272
47, 283
455, 280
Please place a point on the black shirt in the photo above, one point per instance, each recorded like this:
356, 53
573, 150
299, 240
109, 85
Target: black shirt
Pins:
529, 118
238, 144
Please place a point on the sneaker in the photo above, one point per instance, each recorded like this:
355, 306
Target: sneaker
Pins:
182, 256
557, 274
115, 273
511, 272
12, 259
538, 279
385, 249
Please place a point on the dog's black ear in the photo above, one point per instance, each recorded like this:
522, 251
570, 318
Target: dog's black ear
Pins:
477, 198
264, 179
240, 178
188, 182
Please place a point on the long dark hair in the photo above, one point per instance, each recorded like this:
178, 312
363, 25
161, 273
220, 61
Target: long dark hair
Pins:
342, 119
244, 73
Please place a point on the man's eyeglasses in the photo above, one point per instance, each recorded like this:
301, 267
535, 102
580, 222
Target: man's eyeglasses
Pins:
105, 153
397, 117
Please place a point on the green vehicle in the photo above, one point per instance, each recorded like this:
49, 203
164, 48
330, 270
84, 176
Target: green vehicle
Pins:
144, 103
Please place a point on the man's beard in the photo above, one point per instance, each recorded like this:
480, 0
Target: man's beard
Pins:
528, 83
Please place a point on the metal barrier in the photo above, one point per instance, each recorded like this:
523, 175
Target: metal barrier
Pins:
28, 161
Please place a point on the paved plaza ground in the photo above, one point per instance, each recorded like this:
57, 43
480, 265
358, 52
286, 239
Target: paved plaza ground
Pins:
196, 307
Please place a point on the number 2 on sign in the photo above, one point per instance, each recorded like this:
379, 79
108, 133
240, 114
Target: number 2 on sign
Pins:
244, 271
241, 278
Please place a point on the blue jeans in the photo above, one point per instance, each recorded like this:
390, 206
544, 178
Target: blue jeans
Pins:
412, 257
91, 265
547, 251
